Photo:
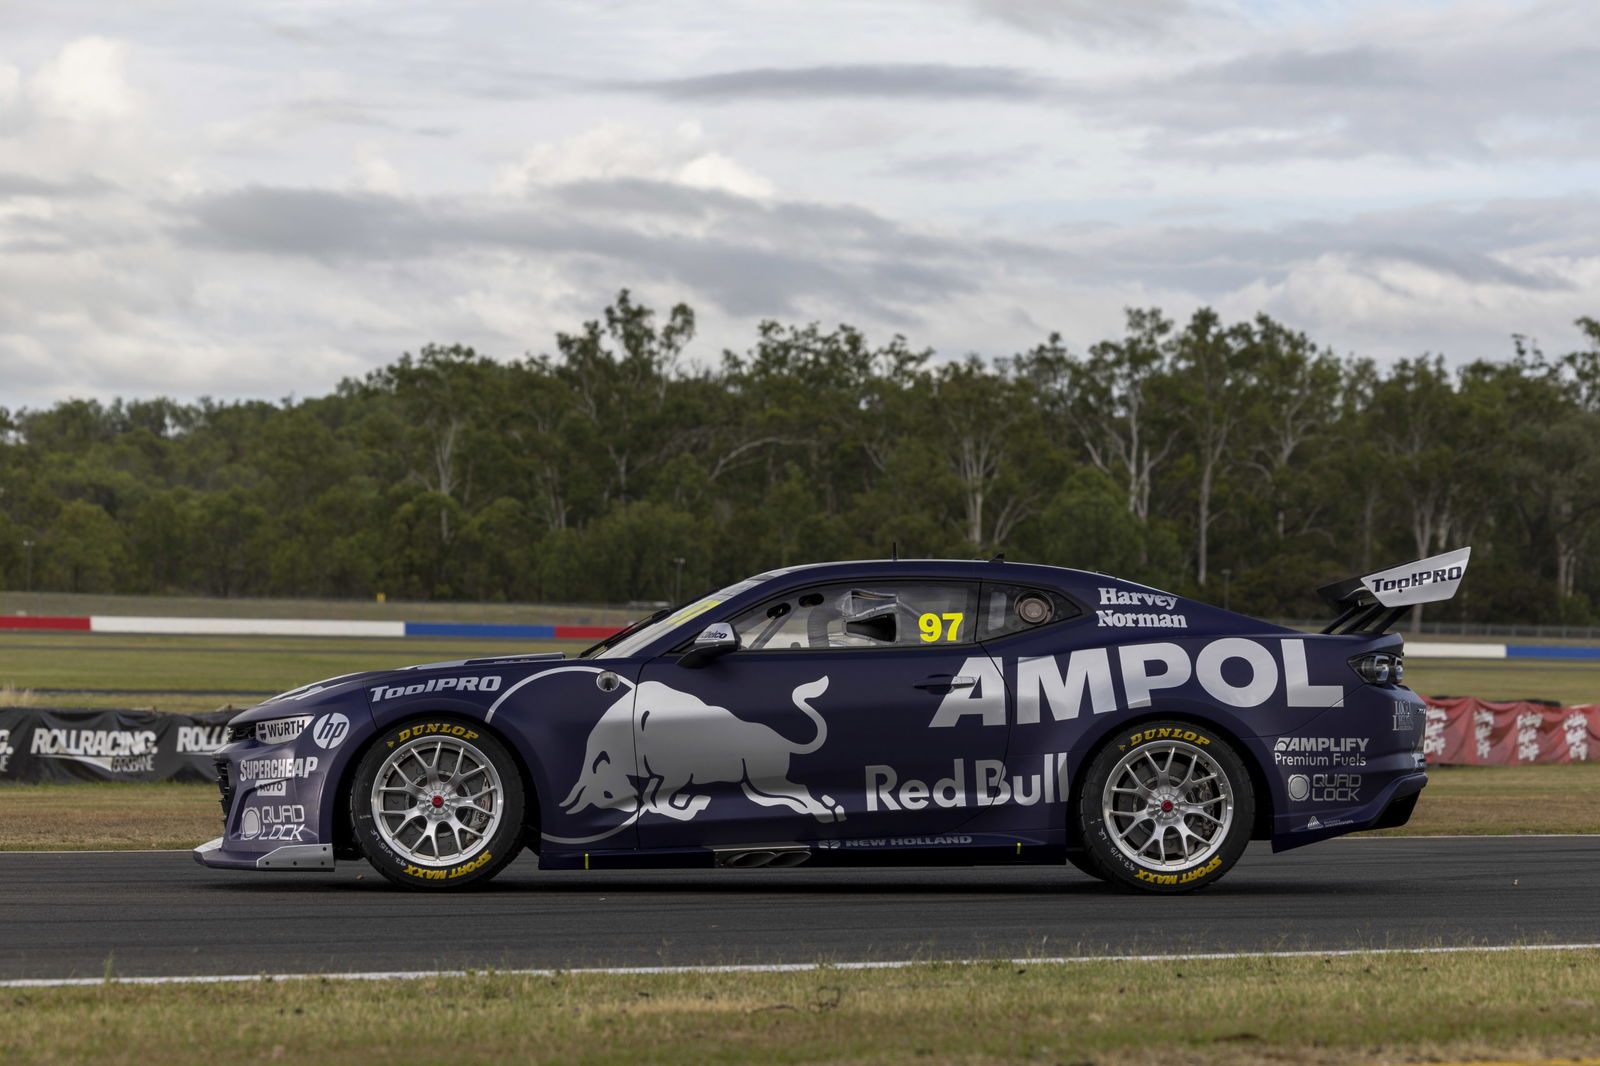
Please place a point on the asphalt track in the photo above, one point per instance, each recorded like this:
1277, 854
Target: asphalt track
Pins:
157, 913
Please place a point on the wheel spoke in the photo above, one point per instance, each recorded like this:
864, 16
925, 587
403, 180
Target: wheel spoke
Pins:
1196, 793
407, 782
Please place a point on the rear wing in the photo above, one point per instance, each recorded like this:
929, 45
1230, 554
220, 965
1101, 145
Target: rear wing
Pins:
1373, 603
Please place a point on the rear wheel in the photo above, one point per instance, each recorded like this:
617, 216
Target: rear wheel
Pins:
1085, 864
1166, 807
437, 804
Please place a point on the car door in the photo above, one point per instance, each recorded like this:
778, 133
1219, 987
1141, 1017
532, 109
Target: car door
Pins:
826, 724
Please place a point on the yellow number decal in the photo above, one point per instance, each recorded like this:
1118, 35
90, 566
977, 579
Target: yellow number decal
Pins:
933, 628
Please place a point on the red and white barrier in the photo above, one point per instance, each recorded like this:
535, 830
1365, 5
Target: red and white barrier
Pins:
1472, 732
254, 627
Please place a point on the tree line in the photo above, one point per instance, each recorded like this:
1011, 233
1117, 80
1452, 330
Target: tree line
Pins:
1230, 461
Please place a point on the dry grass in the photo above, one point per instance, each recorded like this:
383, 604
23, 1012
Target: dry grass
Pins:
1334, 1010
1458, 800
1506, 799
1534, 799
12, 696
1565, 681
169, 670
111, 816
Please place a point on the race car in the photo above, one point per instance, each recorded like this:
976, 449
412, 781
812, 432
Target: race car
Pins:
931, 712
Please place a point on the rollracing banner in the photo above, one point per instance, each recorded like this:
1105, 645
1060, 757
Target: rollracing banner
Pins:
1472, 732
46, 744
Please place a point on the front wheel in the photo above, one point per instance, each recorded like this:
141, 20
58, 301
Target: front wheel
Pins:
1166, 807
437, 804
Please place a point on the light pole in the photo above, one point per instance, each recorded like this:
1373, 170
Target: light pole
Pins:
1226, 574
27, 547
677, 580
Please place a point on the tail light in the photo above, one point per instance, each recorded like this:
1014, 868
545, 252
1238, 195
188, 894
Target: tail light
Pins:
1379, 668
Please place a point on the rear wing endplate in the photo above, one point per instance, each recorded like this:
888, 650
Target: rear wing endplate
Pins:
1373, 603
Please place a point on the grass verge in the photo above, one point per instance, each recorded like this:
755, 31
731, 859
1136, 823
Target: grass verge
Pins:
166, 671
1567, 682
107, 817
1529, 1006
1471, 800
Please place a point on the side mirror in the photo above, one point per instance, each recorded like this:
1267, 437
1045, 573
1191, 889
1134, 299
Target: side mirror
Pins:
714, 641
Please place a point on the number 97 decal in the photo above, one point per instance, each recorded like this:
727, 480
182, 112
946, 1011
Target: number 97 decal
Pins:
941, 627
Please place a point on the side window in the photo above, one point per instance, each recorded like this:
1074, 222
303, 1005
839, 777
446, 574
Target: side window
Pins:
1007, 609
877, 614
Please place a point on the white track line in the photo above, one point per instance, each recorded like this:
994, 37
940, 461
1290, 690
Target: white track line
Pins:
780, 967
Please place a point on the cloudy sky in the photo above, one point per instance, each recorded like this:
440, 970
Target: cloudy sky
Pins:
259, 199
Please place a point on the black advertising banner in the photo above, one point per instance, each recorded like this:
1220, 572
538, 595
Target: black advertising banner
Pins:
49, 744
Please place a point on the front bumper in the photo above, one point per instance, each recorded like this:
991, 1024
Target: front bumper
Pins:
289, 857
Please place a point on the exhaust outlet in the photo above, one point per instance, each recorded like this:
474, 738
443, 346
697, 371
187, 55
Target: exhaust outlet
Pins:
782, 855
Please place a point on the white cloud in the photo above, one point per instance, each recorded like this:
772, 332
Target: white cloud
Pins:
612, 150
86, 82
10, 88
205, 203
1058, 18
377, 173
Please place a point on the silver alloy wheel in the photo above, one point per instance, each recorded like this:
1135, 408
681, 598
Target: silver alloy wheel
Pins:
1168, 805
437, 800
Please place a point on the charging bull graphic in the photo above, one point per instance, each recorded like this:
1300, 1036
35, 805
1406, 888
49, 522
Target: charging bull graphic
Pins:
679, 741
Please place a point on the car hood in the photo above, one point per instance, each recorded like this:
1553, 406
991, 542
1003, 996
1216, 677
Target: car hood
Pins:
335, 689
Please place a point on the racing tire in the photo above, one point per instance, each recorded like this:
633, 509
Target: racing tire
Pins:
1085, 864
1166, 806
437, 803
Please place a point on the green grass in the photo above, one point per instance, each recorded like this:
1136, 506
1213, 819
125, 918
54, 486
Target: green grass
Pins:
34, 659
1470, 800
1480, 800
108, 816
1567, 682
165, 666
1536, 799
1328, 1009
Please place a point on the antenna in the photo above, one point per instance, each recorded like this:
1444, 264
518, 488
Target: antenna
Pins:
894, 551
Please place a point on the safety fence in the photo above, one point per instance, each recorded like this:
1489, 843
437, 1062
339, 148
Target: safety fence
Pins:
1472, 732
40, 744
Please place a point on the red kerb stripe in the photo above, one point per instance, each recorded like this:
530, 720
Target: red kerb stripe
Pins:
584, 632
22, 621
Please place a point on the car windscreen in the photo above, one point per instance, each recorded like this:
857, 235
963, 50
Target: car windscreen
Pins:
648, 634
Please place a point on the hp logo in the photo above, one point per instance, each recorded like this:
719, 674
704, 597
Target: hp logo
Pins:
330, 730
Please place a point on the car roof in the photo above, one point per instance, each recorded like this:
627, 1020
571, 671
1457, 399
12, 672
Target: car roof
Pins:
970, 569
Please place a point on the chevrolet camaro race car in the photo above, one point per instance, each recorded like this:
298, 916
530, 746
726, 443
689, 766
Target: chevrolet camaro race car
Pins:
909, 712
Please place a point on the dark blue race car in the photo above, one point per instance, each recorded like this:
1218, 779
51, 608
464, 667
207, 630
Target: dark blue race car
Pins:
913, 712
